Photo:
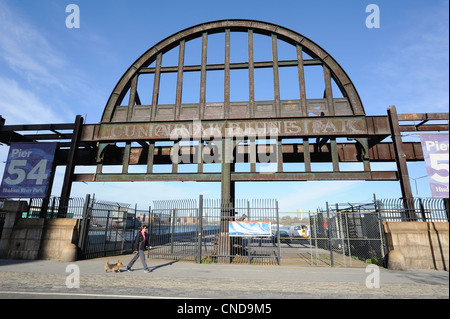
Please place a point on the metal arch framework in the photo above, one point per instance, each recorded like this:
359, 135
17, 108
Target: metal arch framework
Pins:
350, 104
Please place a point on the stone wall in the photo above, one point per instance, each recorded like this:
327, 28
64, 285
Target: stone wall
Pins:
35, 238
422, 245
58, 233
25, 239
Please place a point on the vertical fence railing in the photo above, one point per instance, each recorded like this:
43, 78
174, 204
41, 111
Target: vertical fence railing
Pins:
199, 231
173, 229
107, 228
424, 209
73, 208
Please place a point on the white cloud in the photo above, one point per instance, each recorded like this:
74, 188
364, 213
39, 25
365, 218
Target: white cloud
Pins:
18, 105
27, 52
43, 83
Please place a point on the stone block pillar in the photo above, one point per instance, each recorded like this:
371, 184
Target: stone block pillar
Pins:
36, 238
12, 211
424, 245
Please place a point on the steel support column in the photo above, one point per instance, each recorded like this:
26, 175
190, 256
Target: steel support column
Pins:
227, 203
400, 159
69, 174
227, 185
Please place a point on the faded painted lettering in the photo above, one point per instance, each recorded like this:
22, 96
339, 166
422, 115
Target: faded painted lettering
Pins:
230, 128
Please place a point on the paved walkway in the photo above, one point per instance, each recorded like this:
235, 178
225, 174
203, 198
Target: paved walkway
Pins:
169, 279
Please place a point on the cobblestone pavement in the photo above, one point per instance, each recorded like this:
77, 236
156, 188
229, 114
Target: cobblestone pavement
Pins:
169, 279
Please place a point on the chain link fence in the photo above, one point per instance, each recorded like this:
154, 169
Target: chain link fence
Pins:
338, 236
345, 238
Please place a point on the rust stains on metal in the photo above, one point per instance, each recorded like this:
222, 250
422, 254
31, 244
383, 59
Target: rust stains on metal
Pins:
290, 127
118, 110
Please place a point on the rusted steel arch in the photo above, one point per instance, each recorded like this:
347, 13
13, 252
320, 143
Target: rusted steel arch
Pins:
350, 105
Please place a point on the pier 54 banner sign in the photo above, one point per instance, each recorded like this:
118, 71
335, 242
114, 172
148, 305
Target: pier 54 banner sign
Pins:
28, 170
435, 151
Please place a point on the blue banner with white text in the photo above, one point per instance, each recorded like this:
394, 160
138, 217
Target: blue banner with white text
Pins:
28, 170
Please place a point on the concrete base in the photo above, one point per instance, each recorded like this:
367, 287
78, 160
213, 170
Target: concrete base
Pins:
69, 253
25, 239
423, 245
13, 213
58, 233
37, 238
396, 260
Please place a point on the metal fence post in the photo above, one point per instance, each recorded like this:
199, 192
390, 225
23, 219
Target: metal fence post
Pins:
124, 229
173, 214
278, 232
343, 233
150, 229
315, 229
106, 233
348, 240
199, 229
422, 210
329, 236
380, 229
84, 227
446, 204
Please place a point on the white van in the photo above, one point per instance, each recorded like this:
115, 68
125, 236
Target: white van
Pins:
299, 231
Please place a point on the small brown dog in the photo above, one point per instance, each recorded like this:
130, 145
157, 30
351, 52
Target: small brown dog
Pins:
114, 267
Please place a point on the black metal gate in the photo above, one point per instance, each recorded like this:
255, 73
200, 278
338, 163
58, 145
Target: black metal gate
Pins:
173, 229
199, 231
107, 229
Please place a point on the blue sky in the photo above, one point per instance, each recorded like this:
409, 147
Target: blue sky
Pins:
49, 73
